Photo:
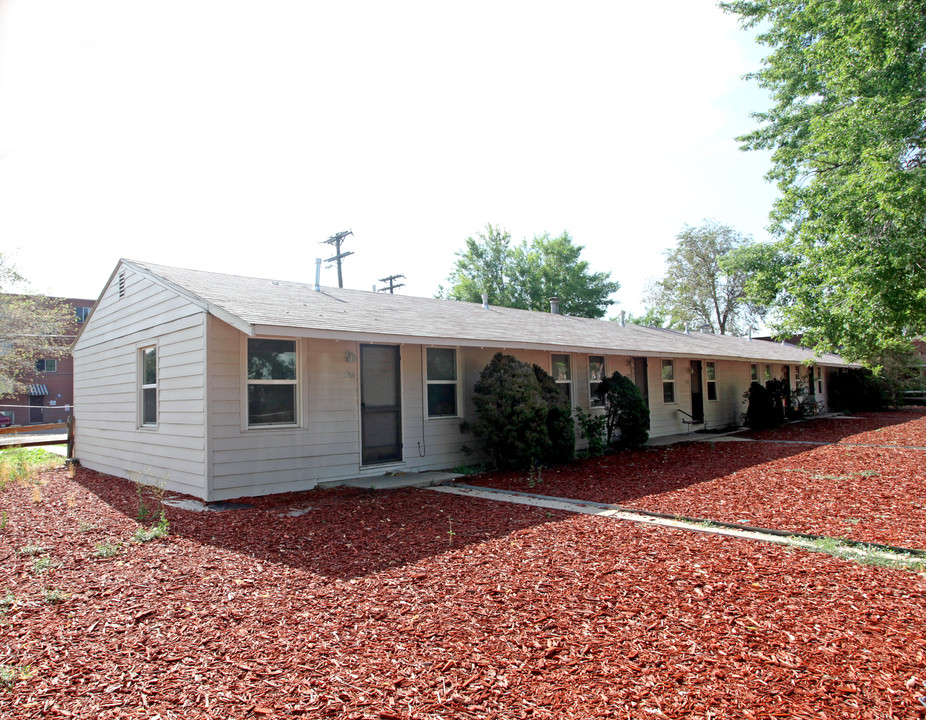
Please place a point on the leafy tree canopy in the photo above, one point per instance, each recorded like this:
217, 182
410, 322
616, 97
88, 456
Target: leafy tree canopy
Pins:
698, 288
32, 327
651, 317
847, 132
527, 275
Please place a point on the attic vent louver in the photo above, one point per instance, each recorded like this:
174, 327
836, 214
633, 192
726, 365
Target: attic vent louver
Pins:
122, 284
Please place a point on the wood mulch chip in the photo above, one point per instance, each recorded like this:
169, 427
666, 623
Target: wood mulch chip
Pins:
412, 604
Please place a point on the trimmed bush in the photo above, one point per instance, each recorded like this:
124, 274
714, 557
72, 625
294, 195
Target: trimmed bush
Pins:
627, 415
523, 418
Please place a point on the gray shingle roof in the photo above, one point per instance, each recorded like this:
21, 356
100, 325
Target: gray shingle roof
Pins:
267, 305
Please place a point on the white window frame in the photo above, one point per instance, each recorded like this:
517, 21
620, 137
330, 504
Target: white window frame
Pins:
49, 365
82, 313
710, 368
247, 382
567, 382
143, 386
668, 381
592, 400
819, 380
456, 382
754, 372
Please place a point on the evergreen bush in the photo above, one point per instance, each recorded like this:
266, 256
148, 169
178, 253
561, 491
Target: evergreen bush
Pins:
522, 416
627, 416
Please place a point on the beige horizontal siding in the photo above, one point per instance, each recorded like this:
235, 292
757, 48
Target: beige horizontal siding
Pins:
106, 387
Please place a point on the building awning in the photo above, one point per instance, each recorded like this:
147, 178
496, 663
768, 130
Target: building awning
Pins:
38, 389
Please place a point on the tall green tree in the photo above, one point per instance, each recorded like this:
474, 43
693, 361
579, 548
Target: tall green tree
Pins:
651, 317
527, 275
847, 132
32, 327
698, 289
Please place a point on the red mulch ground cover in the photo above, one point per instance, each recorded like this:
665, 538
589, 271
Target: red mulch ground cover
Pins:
899, 427
874, 494
414, 604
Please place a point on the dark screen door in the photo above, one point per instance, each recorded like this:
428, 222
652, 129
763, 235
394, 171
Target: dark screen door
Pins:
697, 392
380, 404
640, 377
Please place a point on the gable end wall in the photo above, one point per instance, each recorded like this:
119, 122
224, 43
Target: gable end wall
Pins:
107, 388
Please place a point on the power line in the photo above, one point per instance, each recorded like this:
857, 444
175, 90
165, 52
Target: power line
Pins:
336, 241
392, 284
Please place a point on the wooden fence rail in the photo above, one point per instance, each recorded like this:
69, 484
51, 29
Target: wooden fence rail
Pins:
37, 441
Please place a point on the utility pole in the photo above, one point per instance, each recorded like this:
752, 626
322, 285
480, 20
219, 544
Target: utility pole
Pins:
336, 241
392, 284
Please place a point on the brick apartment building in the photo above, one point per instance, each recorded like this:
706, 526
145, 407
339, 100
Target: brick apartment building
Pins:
49, 391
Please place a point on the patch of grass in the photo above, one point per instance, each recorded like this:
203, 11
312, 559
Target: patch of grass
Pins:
469, 469
7, 600
862, 554
53, 597
30, 550
4, 520
86, 527
839, 478
107, 549
43, 564
11, 674
24, 464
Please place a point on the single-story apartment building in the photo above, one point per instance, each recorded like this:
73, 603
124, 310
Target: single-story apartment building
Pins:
222, 386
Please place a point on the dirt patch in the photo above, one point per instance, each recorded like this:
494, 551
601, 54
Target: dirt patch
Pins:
416, 605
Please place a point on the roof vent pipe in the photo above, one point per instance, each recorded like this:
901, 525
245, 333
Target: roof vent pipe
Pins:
318, 274
485, 300
623, 318
554, 305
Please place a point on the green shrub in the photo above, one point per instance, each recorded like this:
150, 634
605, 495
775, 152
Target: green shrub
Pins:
522, 417
626, 413
592, 430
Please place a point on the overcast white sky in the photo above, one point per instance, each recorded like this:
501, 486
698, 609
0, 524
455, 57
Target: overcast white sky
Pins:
235, 135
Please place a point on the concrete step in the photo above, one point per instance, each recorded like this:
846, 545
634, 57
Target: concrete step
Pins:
392, 481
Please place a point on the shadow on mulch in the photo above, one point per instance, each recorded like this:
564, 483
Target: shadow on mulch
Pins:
344, 532
835, 429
